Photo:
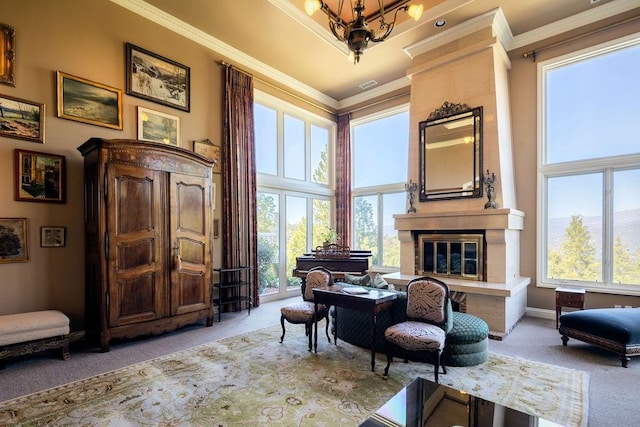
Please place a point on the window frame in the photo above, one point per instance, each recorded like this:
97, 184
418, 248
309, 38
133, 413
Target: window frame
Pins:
606, 166
282, 186
377, 190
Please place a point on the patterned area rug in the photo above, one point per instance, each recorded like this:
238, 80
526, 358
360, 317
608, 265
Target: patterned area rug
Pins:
252, 379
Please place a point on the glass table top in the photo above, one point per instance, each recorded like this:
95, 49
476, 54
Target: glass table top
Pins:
425, 403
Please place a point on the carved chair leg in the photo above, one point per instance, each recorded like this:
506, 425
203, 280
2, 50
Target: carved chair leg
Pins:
327, 329
437, 366
389, 351
309, 327
282, 323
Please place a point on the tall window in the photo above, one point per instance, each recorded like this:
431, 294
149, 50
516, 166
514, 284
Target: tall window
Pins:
380, 158
295, 189
589, 169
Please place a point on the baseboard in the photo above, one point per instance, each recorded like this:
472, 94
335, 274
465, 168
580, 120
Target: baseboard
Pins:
541, 313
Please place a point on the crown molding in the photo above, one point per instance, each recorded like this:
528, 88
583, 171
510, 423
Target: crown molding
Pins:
494, 18
570, 23
170, 22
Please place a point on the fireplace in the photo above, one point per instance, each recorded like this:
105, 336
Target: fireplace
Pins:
446, 254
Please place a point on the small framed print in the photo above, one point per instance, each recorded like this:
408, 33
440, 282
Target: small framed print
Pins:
158, 127
212, 152
52, 237
39, 177
89, 102
13, 240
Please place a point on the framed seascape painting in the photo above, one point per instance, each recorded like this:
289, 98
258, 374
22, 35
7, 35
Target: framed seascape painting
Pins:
21, 119
89, 102
158, 127
7, 54
52, 237
158, 79
39, 177
13, 240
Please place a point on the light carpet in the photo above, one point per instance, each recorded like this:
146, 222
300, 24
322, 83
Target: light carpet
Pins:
252, 379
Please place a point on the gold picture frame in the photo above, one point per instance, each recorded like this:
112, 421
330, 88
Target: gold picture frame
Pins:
7, 54
158, 127
88, 102
21, 119
211, 152
14, 245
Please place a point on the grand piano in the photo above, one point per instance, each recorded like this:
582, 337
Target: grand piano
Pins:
339, 260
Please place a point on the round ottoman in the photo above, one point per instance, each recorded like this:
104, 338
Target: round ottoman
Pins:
468, 341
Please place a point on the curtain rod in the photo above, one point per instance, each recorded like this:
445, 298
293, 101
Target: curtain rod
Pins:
532, 53
271, 85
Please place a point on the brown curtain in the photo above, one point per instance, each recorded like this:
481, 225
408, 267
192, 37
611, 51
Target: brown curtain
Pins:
239, 219
343, 179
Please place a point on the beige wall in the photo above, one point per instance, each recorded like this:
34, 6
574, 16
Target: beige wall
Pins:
86, 39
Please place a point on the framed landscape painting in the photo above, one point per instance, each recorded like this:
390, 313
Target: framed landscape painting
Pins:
21, 119
158, 127
13, 240
89, 102
157, 79
39, 177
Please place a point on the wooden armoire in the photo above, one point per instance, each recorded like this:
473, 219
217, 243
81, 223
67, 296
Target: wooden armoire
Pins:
148, 231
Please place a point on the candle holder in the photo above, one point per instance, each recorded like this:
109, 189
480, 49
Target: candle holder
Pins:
411, 188
488, 180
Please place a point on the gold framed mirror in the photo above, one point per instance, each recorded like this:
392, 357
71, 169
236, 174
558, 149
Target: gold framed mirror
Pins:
7, 54
451, 153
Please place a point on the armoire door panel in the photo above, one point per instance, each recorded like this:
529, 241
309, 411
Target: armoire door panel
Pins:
190, 222
136, 232
136, 299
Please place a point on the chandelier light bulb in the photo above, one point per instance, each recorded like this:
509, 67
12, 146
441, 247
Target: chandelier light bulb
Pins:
310, 6
415, 11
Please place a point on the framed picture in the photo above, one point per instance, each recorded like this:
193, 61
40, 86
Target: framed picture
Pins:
158, 127
7, 54
21, 119
13, 240
89, 102
52, 237
39, 177
212, 152
158, 79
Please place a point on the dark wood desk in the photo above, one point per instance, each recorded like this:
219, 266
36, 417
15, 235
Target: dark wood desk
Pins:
373, 303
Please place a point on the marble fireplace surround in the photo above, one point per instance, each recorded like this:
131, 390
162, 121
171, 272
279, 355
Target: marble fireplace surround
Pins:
500, 300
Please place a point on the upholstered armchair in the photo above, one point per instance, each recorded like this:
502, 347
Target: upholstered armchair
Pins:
424, 332
303, 312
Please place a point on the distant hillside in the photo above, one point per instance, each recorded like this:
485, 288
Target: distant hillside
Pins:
627, 226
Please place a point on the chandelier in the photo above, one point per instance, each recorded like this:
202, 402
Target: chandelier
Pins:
357, 34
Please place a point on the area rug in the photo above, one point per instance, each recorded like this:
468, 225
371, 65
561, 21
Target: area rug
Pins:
252, 379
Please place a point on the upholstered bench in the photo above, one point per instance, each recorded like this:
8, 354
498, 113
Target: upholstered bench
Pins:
613, 329
27, 333
467, 342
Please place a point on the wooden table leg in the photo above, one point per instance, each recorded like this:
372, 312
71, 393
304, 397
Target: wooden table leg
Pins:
373, 341
315, 327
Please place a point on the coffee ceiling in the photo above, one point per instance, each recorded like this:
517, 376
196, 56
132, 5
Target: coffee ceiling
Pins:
276, 38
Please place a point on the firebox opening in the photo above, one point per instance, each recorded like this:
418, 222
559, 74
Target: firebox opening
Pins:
451, 254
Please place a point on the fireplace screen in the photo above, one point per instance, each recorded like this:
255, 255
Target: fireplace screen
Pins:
451, 255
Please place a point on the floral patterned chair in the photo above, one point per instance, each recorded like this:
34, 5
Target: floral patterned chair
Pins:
424, 332
303, 312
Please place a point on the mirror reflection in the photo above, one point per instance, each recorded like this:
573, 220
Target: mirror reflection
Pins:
451, 153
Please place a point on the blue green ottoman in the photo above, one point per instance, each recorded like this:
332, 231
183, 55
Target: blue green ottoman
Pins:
467, 342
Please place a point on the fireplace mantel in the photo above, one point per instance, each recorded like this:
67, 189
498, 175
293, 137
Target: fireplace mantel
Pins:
501, 229
488, 219
502, 233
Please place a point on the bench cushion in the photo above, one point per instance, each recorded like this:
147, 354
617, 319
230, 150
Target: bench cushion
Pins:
23, 327
621, 325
